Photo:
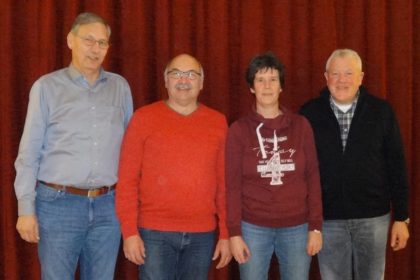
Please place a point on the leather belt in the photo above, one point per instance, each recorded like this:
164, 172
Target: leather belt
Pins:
83, 192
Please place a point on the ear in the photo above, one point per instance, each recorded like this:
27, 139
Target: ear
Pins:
70, 40
326, 76
362, 74
166, 82
252, 90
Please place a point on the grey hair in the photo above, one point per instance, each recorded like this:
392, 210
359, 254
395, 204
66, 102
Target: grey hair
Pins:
344, 53
87, 18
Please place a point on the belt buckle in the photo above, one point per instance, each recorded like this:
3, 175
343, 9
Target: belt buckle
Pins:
93, 192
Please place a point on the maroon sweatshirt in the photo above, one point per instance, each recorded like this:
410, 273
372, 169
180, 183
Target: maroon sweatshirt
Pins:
272, 177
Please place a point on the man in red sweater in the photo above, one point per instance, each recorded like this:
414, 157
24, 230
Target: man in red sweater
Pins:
171, 181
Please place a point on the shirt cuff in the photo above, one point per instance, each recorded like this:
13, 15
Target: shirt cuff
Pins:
26, 207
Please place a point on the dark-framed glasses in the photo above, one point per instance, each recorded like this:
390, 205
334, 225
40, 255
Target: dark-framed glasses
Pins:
178, 74
90, 42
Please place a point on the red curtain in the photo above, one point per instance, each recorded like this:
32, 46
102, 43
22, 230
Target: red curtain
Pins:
223, 35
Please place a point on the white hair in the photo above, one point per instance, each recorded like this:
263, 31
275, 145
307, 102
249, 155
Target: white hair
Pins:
344, 53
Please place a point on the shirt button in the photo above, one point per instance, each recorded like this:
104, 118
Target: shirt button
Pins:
95, 144
93, 107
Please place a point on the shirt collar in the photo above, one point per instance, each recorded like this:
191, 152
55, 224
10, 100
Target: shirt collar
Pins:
353, 104
76, 76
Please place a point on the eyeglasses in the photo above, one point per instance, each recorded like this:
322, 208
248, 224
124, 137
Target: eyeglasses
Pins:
90, 42
177, 74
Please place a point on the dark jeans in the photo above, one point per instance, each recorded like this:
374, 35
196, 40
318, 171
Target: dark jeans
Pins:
176, 255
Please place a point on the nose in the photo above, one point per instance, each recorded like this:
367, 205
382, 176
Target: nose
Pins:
184, 77
267, 84
96, 47
342, 77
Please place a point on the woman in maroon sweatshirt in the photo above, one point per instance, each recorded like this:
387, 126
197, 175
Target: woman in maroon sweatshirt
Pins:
273, 187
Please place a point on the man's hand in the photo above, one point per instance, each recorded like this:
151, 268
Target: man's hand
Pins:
239, 249
399, 235
134, 249
27, 226
314, 243
222, 250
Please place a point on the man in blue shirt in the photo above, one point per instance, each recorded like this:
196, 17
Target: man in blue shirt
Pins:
67, 163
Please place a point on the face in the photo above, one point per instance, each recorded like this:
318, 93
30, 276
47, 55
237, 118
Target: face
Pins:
89, 47
343, 79
267, 87
183, 88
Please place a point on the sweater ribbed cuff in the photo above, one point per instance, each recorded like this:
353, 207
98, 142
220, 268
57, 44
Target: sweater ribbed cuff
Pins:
235, 231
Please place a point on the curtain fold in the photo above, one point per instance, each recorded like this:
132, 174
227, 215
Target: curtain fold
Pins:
224, 35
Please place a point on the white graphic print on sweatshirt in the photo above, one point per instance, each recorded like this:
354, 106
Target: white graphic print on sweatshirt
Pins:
274, 166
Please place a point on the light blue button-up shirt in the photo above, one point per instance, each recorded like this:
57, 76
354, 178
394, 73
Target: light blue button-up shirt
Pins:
73, 132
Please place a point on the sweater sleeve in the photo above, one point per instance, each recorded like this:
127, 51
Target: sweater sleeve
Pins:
234, 180
312, 178
396, 167
129, 174
221, 188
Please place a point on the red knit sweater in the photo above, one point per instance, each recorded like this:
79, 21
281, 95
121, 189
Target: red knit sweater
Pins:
171, 173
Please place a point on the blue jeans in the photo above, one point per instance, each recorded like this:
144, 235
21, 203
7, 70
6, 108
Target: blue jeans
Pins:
76, 228
176, 255
289, 245
354, 248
